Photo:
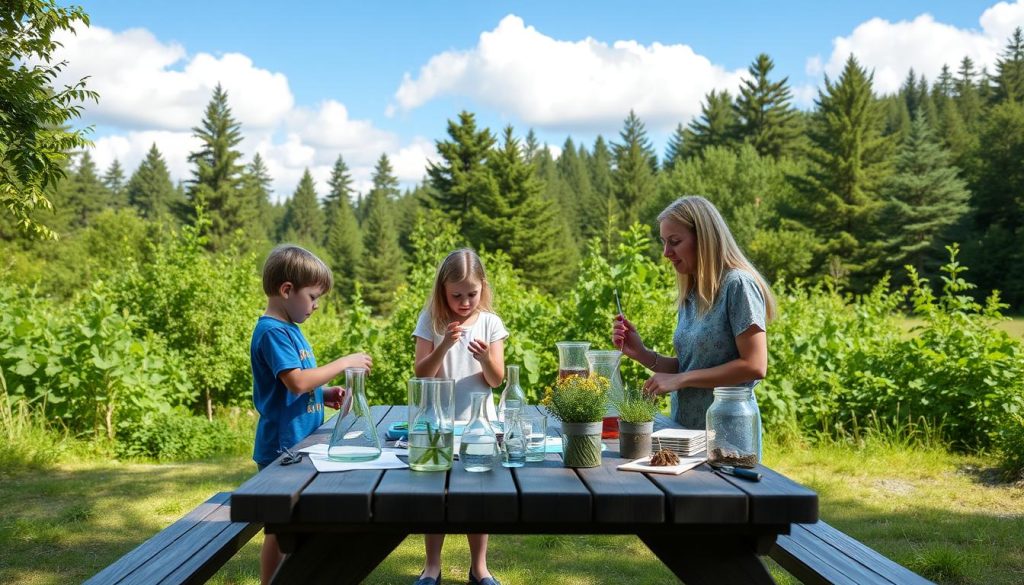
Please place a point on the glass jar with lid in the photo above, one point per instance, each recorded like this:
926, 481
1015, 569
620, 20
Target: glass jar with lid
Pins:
733, 428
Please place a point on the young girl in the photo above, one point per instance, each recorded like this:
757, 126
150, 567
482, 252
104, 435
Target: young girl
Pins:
458, 337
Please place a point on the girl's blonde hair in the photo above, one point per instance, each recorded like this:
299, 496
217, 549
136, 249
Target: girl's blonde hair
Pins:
461, 265
717, 253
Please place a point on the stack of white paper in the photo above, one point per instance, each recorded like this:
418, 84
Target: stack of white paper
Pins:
682, 442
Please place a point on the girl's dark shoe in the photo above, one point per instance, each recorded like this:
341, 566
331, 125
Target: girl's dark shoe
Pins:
485, 581
428, 580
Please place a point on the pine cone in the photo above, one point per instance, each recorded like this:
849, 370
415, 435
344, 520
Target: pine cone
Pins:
664, 458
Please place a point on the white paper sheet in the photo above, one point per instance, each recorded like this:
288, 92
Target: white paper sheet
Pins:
644, 464
388, 460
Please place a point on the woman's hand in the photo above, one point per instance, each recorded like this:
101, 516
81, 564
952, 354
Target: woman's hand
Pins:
478, 348
662, 384
627, 339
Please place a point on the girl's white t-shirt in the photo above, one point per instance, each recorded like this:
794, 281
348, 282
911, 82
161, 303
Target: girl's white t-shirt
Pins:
459, 364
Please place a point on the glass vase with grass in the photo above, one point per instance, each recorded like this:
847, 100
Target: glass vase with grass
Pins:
431, 424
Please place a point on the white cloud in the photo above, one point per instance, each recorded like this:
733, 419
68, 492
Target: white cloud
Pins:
892, 49
160, 93
557, 84
160, 87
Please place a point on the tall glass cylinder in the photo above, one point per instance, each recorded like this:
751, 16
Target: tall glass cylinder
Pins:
572, 359
605, 363
355, 435
478, 450
512, 391
431, 424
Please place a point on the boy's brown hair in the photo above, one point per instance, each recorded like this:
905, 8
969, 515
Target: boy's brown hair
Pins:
294, 264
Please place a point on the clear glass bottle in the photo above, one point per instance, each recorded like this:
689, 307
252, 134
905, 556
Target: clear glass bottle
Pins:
431, 425
355, 435
512, 391
513, 446
478, 450
733, 428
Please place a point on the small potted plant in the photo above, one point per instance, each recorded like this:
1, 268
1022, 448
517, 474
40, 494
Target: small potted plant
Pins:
636, 423
579, 403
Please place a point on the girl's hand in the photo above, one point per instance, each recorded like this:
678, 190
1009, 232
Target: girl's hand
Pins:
334, 396
661, 384
359, 360
452, 334
626, 338
478, 348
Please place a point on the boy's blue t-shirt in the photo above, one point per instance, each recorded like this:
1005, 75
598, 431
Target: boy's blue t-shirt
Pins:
285, 418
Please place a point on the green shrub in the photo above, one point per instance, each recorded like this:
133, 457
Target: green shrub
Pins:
1011, 447
174, 436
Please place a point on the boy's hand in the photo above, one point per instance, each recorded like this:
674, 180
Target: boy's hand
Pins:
478, 348
359, 360
334, 396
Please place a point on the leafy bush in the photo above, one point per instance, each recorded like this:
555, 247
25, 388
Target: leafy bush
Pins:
1011, 447
174, 436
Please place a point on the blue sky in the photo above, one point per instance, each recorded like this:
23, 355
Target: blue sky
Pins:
314, 80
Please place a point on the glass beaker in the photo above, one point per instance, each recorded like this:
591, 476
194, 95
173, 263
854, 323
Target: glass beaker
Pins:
431, 424
355, 435
733, 428
572, 359
605, 363
513, 447
478, 450
512, 391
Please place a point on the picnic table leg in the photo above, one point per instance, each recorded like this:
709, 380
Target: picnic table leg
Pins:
710, 559
335, 559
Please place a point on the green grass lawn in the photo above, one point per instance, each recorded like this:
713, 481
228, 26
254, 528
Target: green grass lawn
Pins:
939, 514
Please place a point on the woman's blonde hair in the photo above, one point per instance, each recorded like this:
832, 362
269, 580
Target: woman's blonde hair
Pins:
459, 266
717, 253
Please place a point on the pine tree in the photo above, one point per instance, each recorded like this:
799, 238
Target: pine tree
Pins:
81, 197
303, 219
949, 125
848, 159
344, 241
580, 200
256, 182
633, 176
150, 189
924, 198
998, 203
603, 185
765, 117
1009, 78
716, 126
515, 217
968, 101
461, 175
113, 180
216, 184
531, 147
382, 267
675, 151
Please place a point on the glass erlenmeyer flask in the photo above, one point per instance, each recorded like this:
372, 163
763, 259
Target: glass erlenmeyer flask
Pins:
512, 391
572, 358
605, 363
431, 424
513, 447
355, 435
479, 447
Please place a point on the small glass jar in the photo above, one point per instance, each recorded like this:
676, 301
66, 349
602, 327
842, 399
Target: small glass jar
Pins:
733, 428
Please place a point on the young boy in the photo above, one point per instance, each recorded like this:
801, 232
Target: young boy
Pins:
287, 384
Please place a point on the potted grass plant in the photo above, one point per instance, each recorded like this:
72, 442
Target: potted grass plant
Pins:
579, 402
636, 423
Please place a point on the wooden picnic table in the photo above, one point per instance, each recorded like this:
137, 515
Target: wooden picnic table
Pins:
707, 527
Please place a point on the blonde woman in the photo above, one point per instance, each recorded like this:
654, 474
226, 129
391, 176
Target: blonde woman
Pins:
724, 307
